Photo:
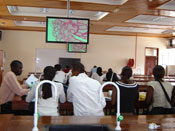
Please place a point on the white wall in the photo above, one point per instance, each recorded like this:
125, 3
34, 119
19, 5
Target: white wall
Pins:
103, 50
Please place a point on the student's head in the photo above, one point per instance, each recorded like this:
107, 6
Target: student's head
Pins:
67, 67
16, 67
109, 70
49, 73
95, 66
158, 72
57, 67
126, 72
99, 71
77, 68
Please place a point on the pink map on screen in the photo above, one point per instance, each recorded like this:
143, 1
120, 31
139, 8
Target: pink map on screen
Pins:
69, 30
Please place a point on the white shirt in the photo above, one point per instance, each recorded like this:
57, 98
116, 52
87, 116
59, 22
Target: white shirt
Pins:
98, 78
48, 107
159, 98
86, 95
60, 76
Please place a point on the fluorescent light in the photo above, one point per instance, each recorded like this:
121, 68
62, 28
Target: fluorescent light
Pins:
30, 23
43, 12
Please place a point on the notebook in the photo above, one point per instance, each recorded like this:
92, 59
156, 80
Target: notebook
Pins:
31, 80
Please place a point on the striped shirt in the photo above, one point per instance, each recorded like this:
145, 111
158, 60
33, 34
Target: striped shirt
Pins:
128, 93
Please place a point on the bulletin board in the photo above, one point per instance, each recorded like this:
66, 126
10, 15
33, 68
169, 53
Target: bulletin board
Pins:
49, 57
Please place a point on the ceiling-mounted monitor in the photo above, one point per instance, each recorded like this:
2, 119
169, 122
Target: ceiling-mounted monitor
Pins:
77, 48
67, 30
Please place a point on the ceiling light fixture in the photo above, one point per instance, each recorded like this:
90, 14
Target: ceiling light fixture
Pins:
173, 34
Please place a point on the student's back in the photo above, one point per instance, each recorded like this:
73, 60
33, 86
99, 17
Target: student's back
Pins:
128, 91
86, 95
47, 105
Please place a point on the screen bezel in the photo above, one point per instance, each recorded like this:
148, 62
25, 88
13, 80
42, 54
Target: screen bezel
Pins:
76, 51
65, 42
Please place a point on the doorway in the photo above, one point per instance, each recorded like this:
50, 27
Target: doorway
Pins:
151, 59
1, 65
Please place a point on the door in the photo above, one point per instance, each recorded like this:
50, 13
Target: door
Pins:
151, 59
1, 65
150, 62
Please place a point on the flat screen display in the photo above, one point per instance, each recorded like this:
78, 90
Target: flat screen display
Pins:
77, 48
67, 30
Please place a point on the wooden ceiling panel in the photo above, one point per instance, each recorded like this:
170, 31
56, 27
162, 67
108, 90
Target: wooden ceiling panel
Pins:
4, 23
118, 15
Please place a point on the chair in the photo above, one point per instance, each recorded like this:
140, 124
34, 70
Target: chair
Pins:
66, 108
109, 107
144, 104
173, 97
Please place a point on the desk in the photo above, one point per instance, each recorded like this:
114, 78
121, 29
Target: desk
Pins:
130, 122
64, 108
19, 104
4, 121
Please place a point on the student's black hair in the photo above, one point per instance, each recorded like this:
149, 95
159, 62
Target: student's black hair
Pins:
95, 66
77, 66
15, 63
158, 72
67, 66
126, 72
109, 74
57, 67
49, 73
99, 71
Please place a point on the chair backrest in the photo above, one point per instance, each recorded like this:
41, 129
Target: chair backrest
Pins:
149, 96
107, 88
173, 97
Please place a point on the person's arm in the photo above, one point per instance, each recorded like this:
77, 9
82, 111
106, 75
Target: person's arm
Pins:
62, 94
31, 94
24, 86
15, 86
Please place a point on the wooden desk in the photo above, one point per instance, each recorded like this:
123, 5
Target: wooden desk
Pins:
4, 121
19, 104
130, 122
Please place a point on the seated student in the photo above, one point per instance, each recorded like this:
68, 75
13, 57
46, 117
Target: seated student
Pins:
111, 76
128, 91
47, 105
60, 75
93, 70
10, 86
85, 93
160, 104
67, 69
99, 76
